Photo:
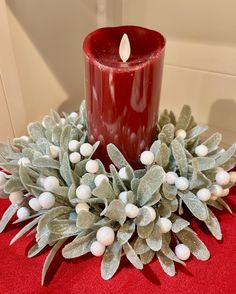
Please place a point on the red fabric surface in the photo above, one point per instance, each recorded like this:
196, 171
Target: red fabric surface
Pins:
18, 274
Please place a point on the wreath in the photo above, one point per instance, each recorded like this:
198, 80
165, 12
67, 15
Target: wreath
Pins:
72, 203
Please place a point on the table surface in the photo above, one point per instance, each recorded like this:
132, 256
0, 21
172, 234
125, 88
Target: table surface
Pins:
18, 274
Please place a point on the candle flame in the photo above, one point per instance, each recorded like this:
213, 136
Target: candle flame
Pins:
124, 49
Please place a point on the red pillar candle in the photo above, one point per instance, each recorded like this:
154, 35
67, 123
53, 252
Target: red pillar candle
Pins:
122, 98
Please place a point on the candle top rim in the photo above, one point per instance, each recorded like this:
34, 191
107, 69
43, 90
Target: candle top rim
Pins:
95, 50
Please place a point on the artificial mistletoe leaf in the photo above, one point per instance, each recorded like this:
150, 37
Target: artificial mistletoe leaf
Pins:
166, 263
104, 190
213, 225
37, 248
65, 227
117, 183
184, 118
156, 197
212, 142
82, 113
169, 191
116, 211
36, 131
196, 246
132, 256
224, 204
180, 157
197, 207
12, 168
56, 135
13, 185
165, 249
86, 219
195, 132
65, 137
164, 118
147, 256
155, 147
178, 223
225, 156
125, 232
169, 131
145, 231
79, 246
149, 184
65, 170
111, 260
154, 241
140, 246
199, 180
145, 216
204, 163
116, 156
163, 155
46, 162
8, 214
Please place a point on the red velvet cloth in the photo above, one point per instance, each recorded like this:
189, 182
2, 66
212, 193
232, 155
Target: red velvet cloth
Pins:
21, 275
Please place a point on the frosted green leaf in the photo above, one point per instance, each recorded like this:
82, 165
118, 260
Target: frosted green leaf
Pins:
125, 232
104, 190
163, 155
145, 231
169, 131
164, 118
198, 209
13, 185
204, 163
116, 156
86, 219
140, 246
50, 257
167, 264
65, 137
149, 184
155, 147
12, 168
144, 218
162, 137
180, 157
116, 211
79, 169
25, 229
164, 211
215, 204
88, 179
172, 117
139, 173
169, 191
129, 172
36, 249
101, 168
147, 257
165, 249
8, 214
156, 197
196, 246
213, 142
82, 113
56, 116
132, 256
229, 164
78, 246
154, 241
25, 178
62, 227
184, 118
111, 260
35, 131
213, 225
172, 205
49, 122
195, 132
71, 192
65, 170
117, 183
198, 181
46, 162
178, 223
56, 135
49, 216
224, 204
225, 156
134, 185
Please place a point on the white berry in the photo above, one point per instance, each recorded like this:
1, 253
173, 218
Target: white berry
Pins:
34, 204
152, 212
105, 236
63, 121
47, 200
131, 210
182, 252
216, 190
24, 161
51, 183
54, 150
123, 197
204, 194
171, 177
180, 134
75, 157
222, 178
123, 174
25, 138
232, 177
83, 192
147, 157
74, 115
99, 178
92, 166
81, 206
23, 213
182, 183
165, 224
16, 197
74, 145
86, 149
2, 178
79, 126
201, 150
40, 181
97, 248
225, 192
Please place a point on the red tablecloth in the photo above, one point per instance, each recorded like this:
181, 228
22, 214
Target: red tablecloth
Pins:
21, 275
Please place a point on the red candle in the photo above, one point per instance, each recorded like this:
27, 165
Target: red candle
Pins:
122, 98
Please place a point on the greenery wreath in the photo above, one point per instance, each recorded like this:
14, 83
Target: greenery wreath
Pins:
71, 202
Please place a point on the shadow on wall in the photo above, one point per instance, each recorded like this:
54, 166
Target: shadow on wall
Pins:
222, 117
57, 29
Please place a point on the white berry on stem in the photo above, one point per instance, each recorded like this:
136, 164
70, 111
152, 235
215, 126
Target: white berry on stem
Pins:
182, 252
16, 197
34, 204
165, 224
92, 166
182, 183
147, 157
216, 190
181, 134
97, 248
171, 177
123, 174
99, 179
83, 192
204, 194
201, 150
86, 149
105, 235
222, 178
74, 145
131, 210
24, 161
23, 213
46, 200
81, 206
54, 150
51, 183
75, 157
152, 212
123, 197
225, 192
